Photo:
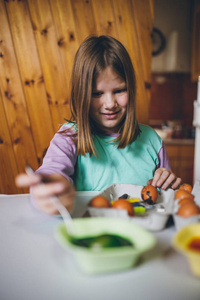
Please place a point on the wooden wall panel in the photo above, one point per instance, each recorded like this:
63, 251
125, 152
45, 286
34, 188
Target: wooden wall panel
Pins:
104, 17
126, 17
32, 81
38, 42
66, 34
144, 29
13, 110
7, 157
84, 18
50, 59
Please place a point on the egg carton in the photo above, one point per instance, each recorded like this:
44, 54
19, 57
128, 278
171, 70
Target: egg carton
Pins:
181, 222
155, 217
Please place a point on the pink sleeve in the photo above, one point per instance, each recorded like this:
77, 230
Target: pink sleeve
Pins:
60, 157
163, 158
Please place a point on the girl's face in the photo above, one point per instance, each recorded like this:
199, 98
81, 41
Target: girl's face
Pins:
109, 101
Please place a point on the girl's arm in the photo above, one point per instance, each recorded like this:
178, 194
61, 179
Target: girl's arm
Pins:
54, 175
42, 187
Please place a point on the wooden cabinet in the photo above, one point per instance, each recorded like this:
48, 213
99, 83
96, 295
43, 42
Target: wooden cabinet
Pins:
195, 66
181, 158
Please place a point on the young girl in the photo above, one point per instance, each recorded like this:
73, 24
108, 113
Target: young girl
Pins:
104, 144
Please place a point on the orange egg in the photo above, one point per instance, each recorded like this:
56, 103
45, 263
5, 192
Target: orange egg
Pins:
180, 194
99, 201
188, 209
185, 186
149, 194
184, 200
123, 204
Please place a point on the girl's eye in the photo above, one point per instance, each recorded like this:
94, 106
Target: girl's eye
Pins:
96, 94
120, 91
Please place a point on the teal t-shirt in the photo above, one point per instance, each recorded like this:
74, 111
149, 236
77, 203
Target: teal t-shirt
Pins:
134, 164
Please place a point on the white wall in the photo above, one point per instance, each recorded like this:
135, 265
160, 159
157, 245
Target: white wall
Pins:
173, 18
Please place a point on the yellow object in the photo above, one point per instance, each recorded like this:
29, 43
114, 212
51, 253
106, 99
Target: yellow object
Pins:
132, 200
181, 241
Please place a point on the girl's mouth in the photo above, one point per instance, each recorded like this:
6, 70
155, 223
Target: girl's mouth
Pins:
110, 116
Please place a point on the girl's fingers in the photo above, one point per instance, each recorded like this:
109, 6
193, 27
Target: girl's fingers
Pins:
160, 176
45, 190
176, 184
164, 178
171, 178
24, 180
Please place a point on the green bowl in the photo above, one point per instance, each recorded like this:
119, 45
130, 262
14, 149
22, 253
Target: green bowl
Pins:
106, 260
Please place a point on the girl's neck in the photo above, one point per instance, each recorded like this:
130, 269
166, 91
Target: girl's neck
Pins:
101, 132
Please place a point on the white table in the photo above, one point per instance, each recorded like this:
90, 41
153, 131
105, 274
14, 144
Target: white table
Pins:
33, 266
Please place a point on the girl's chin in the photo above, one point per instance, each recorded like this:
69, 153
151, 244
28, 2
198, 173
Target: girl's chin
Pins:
110, 128
107, 125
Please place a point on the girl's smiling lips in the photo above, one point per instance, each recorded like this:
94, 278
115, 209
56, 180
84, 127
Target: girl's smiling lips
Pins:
110, 115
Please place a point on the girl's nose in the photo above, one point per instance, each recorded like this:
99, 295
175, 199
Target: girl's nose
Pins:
110, 101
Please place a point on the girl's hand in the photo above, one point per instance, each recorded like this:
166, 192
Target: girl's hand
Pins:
164, 178
45, 186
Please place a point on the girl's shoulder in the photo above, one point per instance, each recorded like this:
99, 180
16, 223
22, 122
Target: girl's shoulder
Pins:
146, 129
148, 133
69, 126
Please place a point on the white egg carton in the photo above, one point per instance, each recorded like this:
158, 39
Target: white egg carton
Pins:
181, 222
154, 219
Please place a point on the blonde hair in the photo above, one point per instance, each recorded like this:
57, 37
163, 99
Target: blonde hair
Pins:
92, 57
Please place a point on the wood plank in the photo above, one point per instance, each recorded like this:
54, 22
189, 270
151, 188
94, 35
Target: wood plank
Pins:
144, 25
104, 17
31, 76
84, 19
13, 100
8, 165
66, 33
50, 59
127, 33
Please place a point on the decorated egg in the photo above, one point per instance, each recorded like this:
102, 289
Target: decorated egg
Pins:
185, 186
149, 194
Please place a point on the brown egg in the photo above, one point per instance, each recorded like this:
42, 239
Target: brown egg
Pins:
188, 209
149, 194
180, 194
124, 204
99, 201
184, 200
187, 187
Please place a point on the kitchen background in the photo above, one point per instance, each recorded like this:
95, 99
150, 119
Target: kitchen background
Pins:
38, 40
174, 81
174, 88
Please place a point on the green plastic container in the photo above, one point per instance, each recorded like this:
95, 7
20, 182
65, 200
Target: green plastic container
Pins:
110, 259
